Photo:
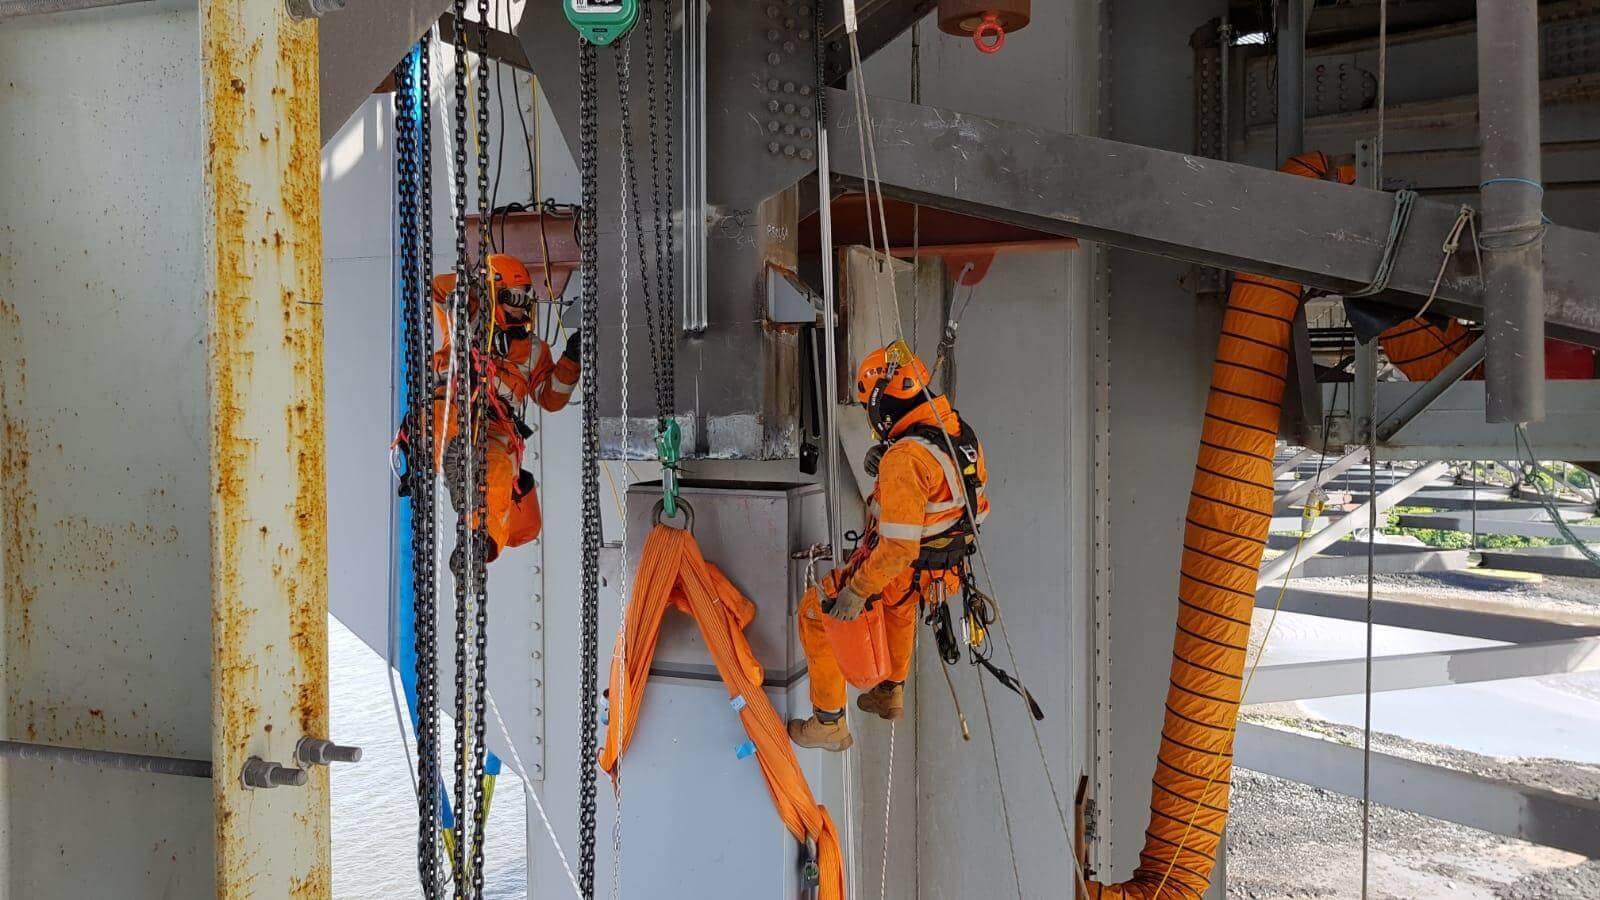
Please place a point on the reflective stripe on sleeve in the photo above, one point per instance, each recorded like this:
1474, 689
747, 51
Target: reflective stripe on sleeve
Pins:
897, 531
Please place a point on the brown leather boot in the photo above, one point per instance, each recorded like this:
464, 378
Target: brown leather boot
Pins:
886, 701
817, 734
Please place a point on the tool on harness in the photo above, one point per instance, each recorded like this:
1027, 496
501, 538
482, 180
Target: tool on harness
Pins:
601, 21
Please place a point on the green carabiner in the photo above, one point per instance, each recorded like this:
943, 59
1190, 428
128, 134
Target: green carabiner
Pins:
668, 443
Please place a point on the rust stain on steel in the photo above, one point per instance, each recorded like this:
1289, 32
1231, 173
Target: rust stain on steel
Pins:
269, 568
18, 509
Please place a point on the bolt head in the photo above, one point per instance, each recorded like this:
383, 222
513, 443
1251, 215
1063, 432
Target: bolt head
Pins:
773, 148
789, 151
773, 126
788, 87
806, 154
773, 58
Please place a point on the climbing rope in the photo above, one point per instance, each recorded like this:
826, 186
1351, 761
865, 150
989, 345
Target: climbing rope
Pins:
874, 184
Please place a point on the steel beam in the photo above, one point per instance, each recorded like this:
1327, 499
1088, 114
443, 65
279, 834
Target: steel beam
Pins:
878, 23
1429, 391
1457, 522
1481, 620
262, 234
1404, 672
1293, 461
1532, 814
1352, 564
1280, 566
1295, 495
1198, 210
1453, 426
1563, 561
1512, 198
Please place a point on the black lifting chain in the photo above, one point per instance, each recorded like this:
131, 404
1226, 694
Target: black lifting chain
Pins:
658, 314
459, 464
588, 238
480, 463
410, 147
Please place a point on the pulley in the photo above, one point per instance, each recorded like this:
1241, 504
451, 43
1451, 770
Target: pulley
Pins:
986, 21
601, 21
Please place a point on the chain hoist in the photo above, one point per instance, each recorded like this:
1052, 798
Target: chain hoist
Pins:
588, 241
601, 21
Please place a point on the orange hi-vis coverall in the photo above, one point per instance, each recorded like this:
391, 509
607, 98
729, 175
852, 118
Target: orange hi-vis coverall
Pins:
918, 497
521, 367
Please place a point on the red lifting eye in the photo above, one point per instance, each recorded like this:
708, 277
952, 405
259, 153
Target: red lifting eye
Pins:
989, 36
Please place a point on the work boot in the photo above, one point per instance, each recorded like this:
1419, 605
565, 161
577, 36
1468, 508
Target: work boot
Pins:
886, 701
823, 731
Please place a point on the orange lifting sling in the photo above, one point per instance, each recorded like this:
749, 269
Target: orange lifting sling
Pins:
672, 572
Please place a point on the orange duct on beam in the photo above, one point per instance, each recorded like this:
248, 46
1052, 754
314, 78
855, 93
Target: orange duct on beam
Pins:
1230, 510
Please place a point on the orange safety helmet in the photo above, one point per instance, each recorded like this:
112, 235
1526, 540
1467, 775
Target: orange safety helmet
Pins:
508, 272
890, 382
903, 375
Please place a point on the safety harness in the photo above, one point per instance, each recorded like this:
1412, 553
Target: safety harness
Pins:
945, 548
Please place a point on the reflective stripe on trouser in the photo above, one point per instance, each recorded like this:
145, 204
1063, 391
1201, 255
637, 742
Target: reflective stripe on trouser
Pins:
900, 613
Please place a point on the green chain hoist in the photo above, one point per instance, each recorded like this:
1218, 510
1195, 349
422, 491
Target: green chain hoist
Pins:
668, 444
601, 21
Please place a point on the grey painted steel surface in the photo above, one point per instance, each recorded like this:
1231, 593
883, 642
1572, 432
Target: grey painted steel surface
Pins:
16, 9
360, 46
727, 835
1512, 198
1353, 565
1459, 522
1486, 621
1564, 561
1336, 677
1161, 344
104, 496
1190, 208
738, 380
1419, 399
1281, 566
1519, 811
1452, 427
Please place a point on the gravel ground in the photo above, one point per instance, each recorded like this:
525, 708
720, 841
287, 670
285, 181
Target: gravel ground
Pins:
1290, 840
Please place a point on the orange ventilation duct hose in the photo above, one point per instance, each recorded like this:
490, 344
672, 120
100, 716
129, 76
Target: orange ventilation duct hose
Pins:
1421, 349
1230, 510
672, 573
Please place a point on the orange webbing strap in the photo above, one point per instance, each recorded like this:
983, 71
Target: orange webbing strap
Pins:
673, 573
1229, 514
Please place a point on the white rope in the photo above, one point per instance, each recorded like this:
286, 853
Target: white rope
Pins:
870, 170
527, 788
622, 569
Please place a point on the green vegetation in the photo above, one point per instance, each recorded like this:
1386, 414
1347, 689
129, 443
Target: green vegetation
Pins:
1441, 539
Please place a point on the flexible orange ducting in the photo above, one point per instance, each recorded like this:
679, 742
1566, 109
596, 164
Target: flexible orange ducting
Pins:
673, 573
1421, 349
1230, 509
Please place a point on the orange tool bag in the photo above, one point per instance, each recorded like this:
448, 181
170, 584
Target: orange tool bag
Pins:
860, 646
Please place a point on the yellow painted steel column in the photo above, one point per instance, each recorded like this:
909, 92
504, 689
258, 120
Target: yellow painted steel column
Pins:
268, 521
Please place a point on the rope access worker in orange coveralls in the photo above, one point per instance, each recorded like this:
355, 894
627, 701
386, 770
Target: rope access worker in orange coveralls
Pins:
917, 539
520, 367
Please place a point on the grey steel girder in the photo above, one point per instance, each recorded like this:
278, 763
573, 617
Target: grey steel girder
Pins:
1187, 207
1532, 814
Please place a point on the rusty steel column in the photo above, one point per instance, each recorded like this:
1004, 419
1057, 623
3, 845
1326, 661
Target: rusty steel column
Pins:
1511, 201
262, 210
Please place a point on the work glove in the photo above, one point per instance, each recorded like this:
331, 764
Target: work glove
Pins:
847, 605
574, 350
